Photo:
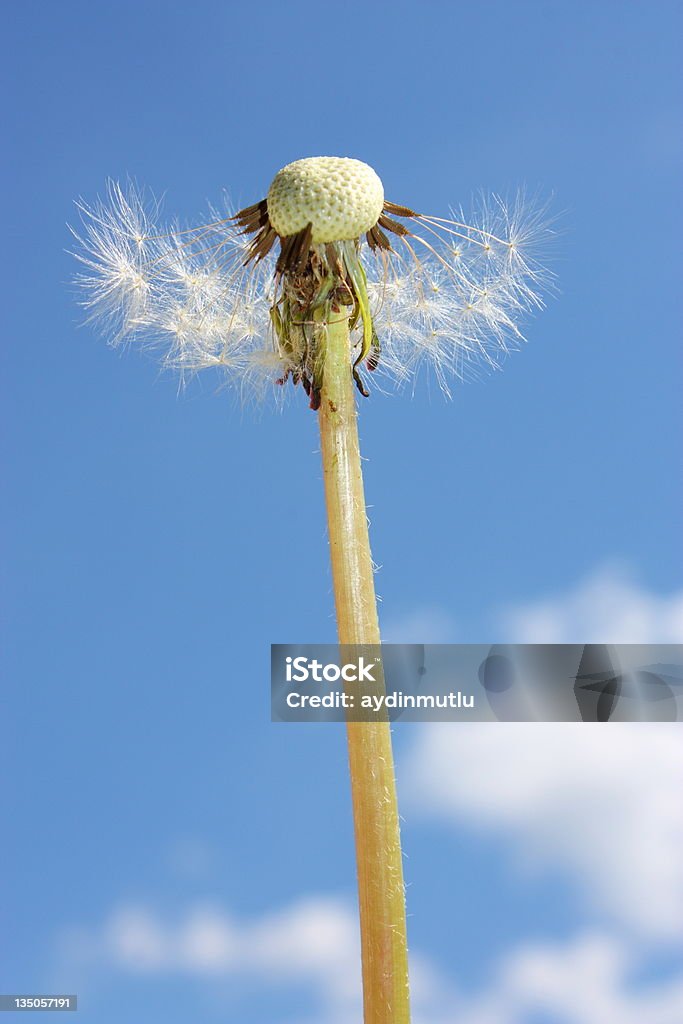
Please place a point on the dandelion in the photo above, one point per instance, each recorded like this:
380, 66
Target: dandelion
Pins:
326, 284
248, 292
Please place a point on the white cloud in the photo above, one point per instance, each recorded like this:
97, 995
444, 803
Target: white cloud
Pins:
608, 607
601, 801
314, 942
585, 981
313, 938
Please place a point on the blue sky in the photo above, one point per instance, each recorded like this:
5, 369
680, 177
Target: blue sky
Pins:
157, 543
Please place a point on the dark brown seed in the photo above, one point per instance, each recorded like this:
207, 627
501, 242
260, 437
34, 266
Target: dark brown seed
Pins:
359, 383
252, 217
400, 211
262, 244
377, 239
393, 225
294, 251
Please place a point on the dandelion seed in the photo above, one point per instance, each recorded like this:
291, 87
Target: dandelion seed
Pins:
248, 292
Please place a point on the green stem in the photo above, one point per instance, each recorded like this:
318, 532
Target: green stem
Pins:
373, 787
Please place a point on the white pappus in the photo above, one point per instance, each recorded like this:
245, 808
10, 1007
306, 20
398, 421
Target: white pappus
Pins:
246, 292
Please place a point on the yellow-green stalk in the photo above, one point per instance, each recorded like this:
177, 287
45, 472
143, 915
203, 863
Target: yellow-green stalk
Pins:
373, 788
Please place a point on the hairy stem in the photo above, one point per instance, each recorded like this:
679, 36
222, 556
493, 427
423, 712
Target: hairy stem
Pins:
373, 787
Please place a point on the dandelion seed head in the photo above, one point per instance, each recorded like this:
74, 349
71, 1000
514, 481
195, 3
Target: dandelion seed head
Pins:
341, 198
249, 294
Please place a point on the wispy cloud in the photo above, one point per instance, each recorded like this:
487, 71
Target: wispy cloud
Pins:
588, 980
608, 607
585, 981
313, 942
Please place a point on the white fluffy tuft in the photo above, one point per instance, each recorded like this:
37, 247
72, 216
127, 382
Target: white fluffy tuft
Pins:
450, 296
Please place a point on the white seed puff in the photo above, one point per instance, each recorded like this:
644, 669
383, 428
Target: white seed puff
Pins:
448, 295
342, 198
